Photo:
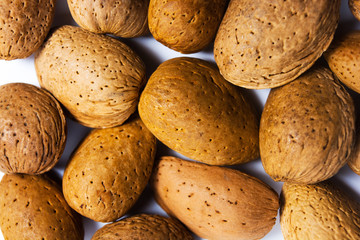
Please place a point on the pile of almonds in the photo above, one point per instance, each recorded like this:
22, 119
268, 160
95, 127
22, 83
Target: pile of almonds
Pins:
184, 132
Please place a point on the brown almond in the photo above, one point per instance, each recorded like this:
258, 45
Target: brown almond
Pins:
319, 211
32, 129
266, 45
143, 227
190, 107
109, 170
33, 207
354, 6
307, 128
215, 202
97, 78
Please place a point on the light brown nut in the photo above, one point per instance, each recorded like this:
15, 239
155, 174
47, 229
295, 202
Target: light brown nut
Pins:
307, 128
185, 26
343, 57
143, 226
97, 78
354, 159
24, 25
354, 6
123, 18
319, 211
189, 107
109, 170
265, 45
32, 129
215, 202
33, 207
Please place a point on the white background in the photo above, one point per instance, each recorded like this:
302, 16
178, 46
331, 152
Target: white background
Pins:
153, 53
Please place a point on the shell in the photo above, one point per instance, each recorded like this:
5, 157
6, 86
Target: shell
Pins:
124, 18
32, 129
354, 6
185, 26
143, 226
343, 56
97, 78
33, 207
109, 170
189, 107
215, 202
307, 128
265, 45
319, 211
354, 159
24, 25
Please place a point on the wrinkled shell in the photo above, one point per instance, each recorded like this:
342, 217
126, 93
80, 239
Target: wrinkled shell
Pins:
185, 26
33, 207
109, 170
24, 25
189, 107
215, 202
354, 6
343, 57
124, 18
144, 227
307, 128
97, 78
354, 159
32, 129
265, 45
320, 211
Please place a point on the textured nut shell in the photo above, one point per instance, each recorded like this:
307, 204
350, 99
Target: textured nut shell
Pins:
24, 25
320, 211
267, 45
215, 202
32, 129
343, 57
33, 207
185, 26
109, 170
307, 128
354, 159
97, 78
354, 6
189, 107
144, 227
124, 18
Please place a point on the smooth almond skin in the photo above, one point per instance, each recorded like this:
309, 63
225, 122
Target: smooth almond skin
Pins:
215, 202
143, 227
343, 57
97, 78
262, 45
24, 25
307, 129
185, 26
32, 129
124, 18
354, 6
319, 211
109, 170
189, 107
33, 207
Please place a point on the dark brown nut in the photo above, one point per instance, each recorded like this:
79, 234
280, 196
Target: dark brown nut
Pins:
354, 159
185, 26
24, 25
109, 170
123, 18
215, 202
33, 207
318, 211
32, 129
343, 57
190, 107
143, 227
307, 128
354, 6
265, 45
97, 78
